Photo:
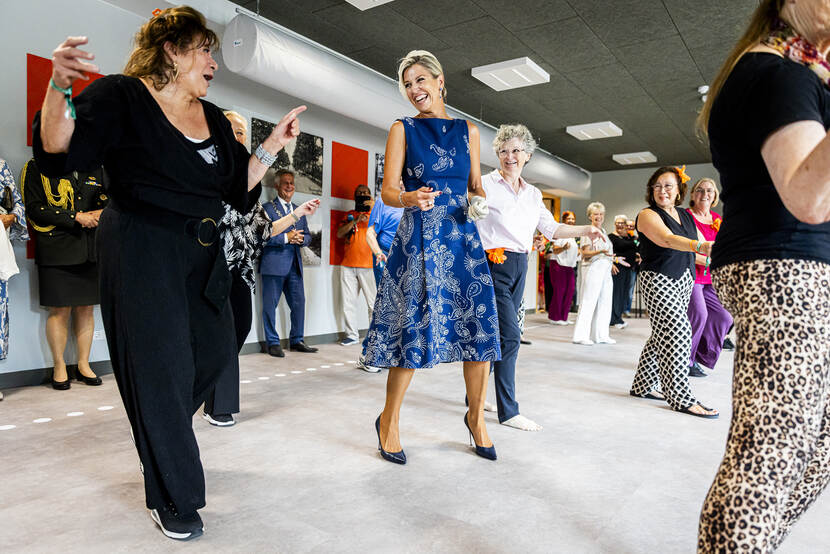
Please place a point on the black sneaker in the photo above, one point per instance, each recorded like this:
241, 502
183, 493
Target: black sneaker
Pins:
696, 371
219, 420
728, 344
178, 526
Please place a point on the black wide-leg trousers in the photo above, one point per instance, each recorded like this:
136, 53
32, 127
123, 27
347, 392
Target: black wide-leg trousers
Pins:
167, 343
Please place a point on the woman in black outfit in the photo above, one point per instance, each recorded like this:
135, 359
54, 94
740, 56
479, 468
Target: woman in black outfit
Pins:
668, 241
172, 160
621, 274
767, 117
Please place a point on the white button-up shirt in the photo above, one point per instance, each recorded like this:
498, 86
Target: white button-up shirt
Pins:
513, 216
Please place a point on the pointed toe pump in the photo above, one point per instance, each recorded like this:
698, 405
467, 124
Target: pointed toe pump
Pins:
394, 457
488, 452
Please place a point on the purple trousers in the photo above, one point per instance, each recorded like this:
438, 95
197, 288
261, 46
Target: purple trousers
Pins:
563, 283
710, 323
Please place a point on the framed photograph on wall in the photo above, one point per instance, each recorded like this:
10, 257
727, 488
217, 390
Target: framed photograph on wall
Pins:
303, 156
379, 160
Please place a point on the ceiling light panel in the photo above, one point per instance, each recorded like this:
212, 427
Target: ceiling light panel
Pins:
521, 72
363, 5
593, 131
634, 158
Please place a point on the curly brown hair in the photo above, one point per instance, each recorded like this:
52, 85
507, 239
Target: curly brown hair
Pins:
183, 27
681, 186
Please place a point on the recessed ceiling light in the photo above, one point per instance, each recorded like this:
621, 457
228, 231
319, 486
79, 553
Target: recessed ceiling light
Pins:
634, 158
592, 131
510, 74
363, 5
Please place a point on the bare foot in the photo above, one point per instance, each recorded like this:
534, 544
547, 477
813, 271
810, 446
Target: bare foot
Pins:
519, 421
479, 429
86, 371
390, 438
59, 373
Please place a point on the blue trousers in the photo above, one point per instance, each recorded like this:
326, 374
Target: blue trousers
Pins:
509, 286
273, 287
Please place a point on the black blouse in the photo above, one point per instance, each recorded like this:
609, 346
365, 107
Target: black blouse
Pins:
150, 163
669, 262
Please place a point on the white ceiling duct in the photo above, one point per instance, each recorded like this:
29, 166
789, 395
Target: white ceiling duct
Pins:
281, 59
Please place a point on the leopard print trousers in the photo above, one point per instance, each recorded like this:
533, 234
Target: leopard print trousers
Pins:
777, 458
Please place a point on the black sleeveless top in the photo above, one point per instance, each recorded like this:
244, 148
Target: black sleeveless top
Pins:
669, 262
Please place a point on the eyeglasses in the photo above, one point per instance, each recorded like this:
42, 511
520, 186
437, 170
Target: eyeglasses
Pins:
515, 152
666, 187
705, 191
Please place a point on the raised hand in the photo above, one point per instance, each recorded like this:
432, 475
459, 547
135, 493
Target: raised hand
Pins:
68, 63
594, 233
307, 208
289, 127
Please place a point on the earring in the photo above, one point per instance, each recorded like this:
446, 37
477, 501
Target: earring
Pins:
175, 71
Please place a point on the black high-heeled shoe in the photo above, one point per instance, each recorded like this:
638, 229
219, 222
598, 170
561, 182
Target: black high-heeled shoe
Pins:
91, 381
394, 457
488, 452
61, 385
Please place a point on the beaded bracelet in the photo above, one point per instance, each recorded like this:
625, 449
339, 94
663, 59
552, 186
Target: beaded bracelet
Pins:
67, 94
265, 157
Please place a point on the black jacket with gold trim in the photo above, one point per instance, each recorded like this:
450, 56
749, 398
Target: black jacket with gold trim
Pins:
51, 205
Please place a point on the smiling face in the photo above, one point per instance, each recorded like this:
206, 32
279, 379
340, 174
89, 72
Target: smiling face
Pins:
570, 219
665, 190
620, 227
597, 217
285, 188
704, 195
512, 156
422, 89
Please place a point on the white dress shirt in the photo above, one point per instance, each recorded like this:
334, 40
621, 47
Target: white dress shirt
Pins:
569, 257
514, 216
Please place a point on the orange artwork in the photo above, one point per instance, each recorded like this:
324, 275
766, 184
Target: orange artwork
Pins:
38, 73
349, 168
337, 246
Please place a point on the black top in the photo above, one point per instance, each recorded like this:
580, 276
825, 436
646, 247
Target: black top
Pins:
762, 94
51, 205
624, 247
149, 162
668, 261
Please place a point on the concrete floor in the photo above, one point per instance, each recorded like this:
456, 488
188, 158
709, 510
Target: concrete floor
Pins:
300, 471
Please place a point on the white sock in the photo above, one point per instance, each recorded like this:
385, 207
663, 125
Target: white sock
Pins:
519, 421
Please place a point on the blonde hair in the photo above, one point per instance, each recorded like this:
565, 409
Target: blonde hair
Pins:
426, 60
700, 182
595, 206
759, 27
516, 130
232, 114
183, 27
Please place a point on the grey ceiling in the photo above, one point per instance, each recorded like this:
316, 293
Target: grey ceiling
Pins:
637, 63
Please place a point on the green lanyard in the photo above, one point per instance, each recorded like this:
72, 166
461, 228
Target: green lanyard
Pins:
67, 94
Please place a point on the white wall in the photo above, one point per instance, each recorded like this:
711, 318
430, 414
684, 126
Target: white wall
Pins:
37, 27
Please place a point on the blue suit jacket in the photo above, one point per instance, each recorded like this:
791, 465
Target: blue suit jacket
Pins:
277, 256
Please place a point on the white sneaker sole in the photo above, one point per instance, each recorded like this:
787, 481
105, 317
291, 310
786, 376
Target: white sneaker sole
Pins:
212, 421
170, 534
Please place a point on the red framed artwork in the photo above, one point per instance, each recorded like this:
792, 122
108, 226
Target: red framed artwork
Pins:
349, 168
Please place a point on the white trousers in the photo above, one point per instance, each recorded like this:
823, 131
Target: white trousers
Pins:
354, 280
595, 306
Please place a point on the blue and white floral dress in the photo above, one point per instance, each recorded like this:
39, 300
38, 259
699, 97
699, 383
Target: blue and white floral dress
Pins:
435, 303
17, 231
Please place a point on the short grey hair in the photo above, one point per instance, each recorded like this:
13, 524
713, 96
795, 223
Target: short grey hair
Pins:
620, 217
514, 130
425, 59
595, 207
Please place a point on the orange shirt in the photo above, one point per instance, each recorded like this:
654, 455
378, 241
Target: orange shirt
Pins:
357, 251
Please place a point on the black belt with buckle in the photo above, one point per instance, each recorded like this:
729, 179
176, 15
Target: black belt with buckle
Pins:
204, 230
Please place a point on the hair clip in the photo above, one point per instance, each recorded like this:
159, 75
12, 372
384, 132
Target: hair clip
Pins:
682, 172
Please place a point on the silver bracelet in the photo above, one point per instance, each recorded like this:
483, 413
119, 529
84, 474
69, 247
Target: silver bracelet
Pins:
265, 158
295, 216
400, 199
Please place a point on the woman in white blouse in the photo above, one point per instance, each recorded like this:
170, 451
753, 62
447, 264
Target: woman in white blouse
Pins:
594, 315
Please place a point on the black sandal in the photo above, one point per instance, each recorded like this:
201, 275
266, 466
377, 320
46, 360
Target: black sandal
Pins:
649, 396
686, 410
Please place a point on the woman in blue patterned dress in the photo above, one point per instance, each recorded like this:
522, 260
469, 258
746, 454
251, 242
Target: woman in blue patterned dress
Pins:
435, 303
13, 217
